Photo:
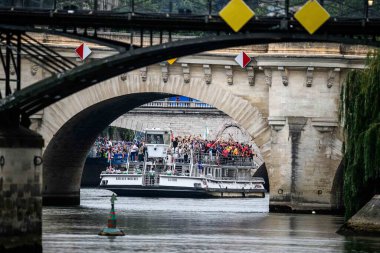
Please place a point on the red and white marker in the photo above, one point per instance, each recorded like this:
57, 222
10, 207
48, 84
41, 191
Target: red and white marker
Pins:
83, 51
243, 59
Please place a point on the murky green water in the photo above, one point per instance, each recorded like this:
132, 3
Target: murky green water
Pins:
193, 225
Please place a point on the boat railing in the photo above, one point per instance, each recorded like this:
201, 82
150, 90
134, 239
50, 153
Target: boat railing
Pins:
217, 159
177, 104
113, 171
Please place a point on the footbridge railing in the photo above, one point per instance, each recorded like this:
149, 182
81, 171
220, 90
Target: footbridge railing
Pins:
263, 8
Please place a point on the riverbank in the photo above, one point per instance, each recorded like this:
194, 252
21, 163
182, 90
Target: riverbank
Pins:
364, 222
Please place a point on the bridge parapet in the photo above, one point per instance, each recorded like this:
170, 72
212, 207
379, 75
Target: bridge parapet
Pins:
262, 8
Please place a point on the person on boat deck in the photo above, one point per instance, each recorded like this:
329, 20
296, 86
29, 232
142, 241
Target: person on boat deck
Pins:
175, 144
141, 153
133, 152
200, 167
145, 150
185, 157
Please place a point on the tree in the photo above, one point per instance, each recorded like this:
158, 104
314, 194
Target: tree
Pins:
361, 117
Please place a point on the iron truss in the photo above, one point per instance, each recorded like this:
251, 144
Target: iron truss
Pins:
14, 43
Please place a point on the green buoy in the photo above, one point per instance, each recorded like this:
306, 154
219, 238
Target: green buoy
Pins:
111, 229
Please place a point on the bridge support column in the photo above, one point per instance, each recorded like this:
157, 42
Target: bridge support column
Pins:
63, 167
61, 180
305, 155
20, 189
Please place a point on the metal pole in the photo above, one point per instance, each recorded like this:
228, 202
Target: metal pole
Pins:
209, 7
95, 5
18, 67
131, 40
365, 9
170, 6
132, 6
55, 5
287, 8
151, 37
141, 37
7, 64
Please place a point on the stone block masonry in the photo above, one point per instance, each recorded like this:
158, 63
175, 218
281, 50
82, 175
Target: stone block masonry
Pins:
20, 190
210, 124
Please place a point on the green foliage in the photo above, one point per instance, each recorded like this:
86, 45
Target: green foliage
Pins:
361, 115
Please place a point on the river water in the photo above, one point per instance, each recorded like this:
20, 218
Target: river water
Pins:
192, 225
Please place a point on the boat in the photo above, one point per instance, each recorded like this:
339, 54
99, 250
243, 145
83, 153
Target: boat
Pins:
163, 174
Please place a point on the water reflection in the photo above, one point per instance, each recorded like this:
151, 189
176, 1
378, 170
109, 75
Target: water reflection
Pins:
186, 225
362, 244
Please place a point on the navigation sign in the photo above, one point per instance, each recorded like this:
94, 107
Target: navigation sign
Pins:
236, 14
243, 59
83, 51
171, 61
312, 16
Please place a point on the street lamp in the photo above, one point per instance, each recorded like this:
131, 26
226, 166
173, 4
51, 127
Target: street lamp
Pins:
370, 2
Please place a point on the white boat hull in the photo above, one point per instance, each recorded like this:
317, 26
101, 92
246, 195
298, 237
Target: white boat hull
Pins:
180, 187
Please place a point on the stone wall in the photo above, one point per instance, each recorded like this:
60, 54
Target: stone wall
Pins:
207, 123
20, 190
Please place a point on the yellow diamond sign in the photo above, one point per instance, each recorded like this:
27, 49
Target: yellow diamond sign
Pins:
312, 16
236, 14
171, 61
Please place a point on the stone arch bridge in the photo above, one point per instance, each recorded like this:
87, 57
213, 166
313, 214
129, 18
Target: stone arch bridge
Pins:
287, 99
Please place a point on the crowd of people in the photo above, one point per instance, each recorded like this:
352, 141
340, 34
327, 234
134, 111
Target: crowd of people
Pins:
181, 147
210, 149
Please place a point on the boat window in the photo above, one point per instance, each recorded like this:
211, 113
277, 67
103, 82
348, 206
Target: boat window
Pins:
154, 139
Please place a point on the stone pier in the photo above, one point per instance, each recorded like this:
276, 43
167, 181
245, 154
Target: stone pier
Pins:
20, 189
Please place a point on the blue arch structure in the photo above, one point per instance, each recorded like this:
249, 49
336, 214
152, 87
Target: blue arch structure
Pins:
48, 91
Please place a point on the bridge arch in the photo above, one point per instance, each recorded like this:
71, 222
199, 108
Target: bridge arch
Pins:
69, 133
